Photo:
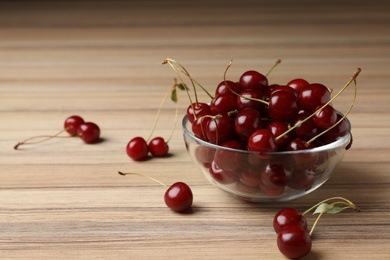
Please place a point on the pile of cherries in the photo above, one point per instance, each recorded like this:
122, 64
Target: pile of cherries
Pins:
75, 126
252, 114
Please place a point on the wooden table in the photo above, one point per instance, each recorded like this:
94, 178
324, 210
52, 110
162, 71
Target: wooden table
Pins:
63, 199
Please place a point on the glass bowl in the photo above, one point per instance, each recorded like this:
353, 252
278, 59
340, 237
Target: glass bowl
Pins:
264, 177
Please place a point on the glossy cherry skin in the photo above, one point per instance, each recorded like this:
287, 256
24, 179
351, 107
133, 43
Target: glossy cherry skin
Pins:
325, 118
278, 128
254, 95
247, 122
305, 130
286, 217
137, 149
223, 104
229, 88
199, 127
298, 84
337, 131
72, 123
89, 132
220, 129
312, 96
178, 197
284, 88
252, 79
262, 140
283, 106
294, 241
158, 147
197, 110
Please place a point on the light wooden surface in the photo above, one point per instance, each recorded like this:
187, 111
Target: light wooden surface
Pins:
102, 60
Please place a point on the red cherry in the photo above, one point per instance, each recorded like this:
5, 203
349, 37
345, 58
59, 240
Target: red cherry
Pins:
158, 147
220, 129
137, 149
312, 96
89, 132
277, 128
305, 130
178, 197
199, 127
325, 118
223, 104
246, 122
262, 140
298, 84
223, 89
72, 123
283, 88
249, 99
197, 110
294, 241
337, 131
287, 217
253, 80
283, 106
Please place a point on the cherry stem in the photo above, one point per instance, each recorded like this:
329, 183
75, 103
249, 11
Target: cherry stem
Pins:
347, 204
142, 175
159, 112
353, 78
341, 119
45, 138
237, 94
324, 201
273, 67
176, 66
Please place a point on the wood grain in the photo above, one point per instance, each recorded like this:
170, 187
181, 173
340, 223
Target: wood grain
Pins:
102, 59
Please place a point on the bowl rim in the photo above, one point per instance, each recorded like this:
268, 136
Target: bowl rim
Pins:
342, 141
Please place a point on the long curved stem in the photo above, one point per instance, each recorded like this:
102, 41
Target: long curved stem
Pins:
42, 137
353, 78
347, 205
324, 201
142, 175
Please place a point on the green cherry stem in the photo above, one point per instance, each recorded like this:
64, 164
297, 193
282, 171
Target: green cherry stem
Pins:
347, 205
273, 67
142, 175
172, 88
327, 200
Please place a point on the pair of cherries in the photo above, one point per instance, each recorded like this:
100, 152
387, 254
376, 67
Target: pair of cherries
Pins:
75, 126
138, 148
293, 237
